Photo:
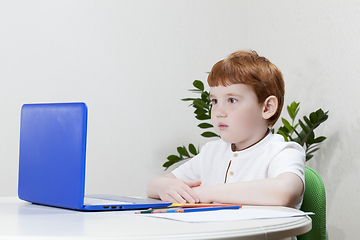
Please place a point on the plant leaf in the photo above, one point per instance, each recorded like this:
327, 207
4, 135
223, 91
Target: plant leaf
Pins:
308, 157
296, 112
200, 103
200, 111
291, 112
295, 106
195, 90
199, 85
202, 117
192, 149
183, 152
188, 99
311, 137
167, 164
303, 126
323, 116
284, 129
314, 117
301, 137
283, 134
320, 113
173, 158
308, 122
205, 97
205, 125
312, 151
287, 124
319, 139
209, 134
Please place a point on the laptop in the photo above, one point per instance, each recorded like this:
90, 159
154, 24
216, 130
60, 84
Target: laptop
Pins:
52, 156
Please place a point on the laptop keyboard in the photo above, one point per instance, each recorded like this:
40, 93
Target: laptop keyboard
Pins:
99, 201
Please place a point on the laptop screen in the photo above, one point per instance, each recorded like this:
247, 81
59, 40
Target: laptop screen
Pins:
52, 154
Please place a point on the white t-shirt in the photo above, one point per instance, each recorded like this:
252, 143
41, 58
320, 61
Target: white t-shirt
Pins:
217, 163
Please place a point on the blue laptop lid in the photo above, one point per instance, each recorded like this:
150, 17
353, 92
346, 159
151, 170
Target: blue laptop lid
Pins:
52, 154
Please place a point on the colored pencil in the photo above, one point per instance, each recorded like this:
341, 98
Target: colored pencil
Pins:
184, 210
203, 209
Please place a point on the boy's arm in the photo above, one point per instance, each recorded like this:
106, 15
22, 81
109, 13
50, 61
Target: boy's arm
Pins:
170, 189
283, 190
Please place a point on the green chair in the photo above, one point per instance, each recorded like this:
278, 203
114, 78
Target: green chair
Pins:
314, 201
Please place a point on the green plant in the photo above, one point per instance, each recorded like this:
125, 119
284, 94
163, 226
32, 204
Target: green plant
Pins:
202, 112
306, 136
202, 107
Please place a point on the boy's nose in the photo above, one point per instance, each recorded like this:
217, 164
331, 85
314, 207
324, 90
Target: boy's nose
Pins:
220, 113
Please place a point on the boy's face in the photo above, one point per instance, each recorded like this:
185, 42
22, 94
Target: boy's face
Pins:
237, 115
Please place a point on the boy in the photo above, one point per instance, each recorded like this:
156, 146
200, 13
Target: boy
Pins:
249, 164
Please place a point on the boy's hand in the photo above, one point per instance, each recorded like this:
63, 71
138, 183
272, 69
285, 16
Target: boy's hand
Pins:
204, 193
177, 190
170, 189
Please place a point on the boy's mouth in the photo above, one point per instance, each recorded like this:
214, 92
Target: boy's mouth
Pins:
222, 126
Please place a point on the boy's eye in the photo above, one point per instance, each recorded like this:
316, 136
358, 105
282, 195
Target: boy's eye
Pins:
214, 101
232, 100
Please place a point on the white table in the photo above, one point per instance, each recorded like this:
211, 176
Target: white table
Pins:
22, 220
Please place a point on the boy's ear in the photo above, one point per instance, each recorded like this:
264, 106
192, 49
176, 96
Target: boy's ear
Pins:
270, 107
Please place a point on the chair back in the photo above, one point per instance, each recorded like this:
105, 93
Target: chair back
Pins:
314, 201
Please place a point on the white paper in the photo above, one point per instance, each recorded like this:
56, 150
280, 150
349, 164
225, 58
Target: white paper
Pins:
227, 215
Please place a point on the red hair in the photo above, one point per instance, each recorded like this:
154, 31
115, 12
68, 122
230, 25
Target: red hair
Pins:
251, 69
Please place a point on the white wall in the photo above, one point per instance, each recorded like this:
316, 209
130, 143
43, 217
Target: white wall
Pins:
132, 62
